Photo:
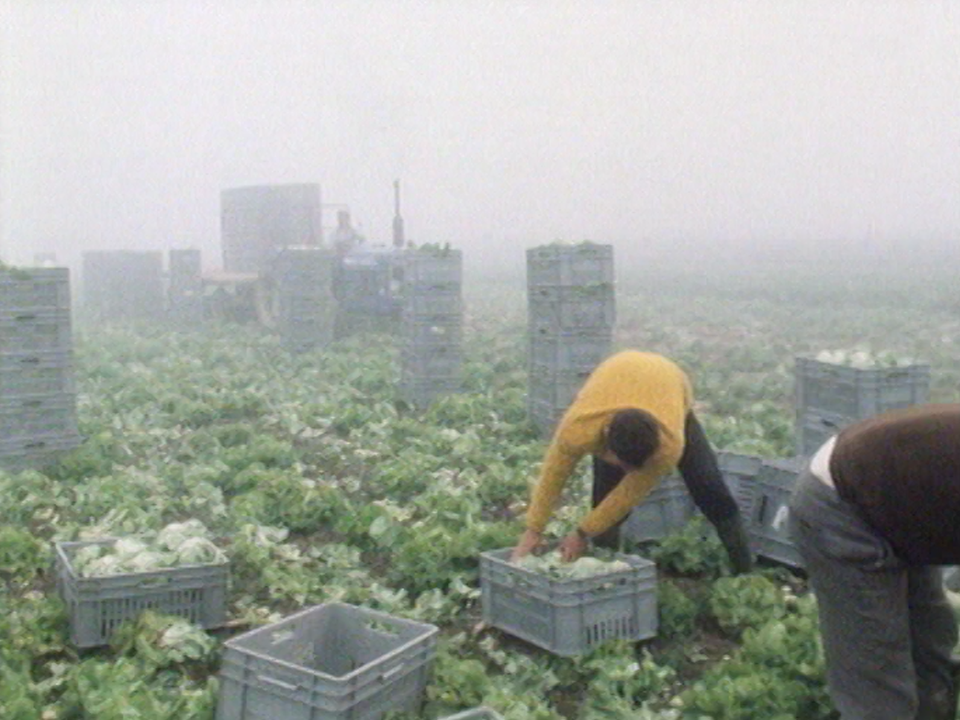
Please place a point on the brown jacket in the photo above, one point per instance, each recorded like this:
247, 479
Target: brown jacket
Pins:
902, 470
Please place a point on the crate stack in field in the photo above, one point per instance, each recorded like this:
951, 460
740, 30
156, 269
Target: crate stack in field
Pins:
571, 310
431, 328
185, 288
830, 396
306, 308
37, 391
122, 285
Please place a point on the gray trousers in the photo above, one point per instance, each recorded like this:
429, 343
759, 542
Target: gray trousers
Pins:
888, 630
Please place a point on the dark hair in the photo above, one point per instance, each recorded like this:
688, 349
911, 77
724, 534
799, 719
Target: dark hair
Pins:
633, 436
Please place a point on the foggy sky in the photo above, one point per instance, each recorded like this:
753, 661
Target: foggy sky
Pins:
740, 124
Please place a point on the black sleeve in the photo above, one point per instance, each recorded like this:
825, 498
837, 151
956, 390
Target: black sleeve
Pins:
701, 474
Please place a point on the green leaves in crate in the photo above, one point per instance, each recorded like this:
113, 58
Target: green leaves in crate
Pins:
176, 545
585, 567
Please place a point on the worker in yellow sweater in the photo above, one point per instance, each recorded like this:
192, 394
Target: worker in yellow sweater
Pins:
634, 416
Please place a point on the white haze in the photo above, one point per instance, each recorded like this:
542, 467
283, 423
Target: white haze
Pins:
703, 126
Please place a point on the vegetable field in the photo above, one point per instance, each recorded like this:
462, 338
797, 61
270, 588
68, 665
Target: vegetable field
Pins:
319, 484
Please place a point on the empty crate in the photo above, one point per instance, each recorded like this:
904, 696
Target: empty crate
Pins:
740, 474
767, 524
665, 510
330, 662
46, 373
813, 429
30, 452
34, 289
419, 303
554, 309
569, 616
97, 606
37, 416
35, 331
569, 351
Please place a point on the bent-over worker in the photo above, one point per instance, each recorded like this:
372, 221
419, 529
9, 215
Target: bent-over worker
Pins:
634, 416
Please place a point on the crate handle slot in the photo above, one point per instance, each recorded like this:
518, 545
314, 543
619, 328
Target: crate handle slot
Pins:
35, 445
26, 316
32, 403
388, 675
761, 509
31, 361
153, 582
278, 683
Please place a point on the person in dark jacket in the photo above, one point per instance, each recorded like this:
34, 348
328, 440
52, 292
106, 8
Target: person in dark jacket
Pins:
874, 515
634, 415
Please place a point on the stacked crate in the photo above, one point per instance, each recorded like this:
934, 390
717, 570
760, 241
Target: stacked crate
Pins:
123, 285
666, 510
37, 391
766, 519
571, 313
830, 396
431, 336
185, 289
306, 312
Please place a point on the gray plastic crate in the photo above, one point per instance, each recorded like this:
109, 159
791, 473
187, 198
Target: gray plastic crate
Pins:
667, 509
767, 524
568, 350
33, 452
544, 415
426, 332
47, 373
425, 270
305, 269
35, 331
97, 606
858, 393
569, 616
558, 388
421, 391
36, 415
740, 473
427, 361
295, 308
813, 429
584, 264
554, 309
549, 394
185, 263
330, 662
443, 303
34, 289
480, 713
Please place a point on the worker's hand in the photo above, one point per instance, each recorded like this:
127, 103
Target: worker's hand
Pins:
572, 546
530, 541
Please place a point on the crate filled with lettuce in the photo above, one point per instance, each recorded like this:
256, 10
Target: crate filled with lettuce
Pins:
568, 608
177, 571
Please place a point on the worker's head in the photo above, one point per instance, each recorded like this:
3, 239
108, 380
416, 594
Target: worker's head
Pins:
632, 437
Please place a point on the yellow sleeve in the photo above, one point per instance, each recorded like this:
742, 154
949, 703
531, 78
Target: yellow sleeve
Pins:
634, 487
558, 464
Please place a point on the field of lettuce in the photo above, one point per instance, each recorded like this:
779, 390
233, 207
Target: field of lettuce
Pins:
319, 485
